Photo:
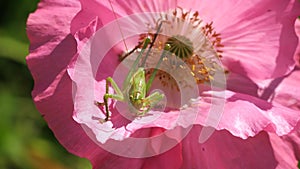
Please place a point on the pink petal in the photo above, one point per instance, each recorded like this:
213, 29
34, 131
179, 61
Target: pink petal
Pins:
103, 10
284, 91
241, 84
284, 152
87, 15
293, 139
258, 35
255, 116
297, 53
52, 49
50, 37
287, 92
223, 151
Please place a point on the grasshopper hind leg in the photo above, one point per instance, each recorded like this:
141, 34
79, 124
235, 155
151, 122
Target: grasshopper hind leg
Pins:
150, 102
155, 98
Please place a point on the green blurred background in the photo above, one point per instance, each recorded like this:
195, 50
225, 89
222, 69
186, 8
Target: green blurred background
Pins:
25, 140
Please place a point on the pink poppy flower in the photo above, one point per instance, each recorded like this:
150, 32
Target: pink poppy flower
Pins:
255, 39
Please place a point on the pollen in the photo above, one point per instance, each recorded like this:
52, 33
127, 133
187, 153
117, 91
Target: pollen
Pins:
203, 68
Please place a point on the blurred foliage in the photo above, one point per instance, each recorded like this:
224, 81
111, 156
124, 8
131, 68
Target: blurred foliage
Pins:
25, 140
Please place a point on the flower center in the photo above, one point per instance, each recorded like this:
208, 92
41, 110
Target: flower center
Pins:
194, 45
181, 46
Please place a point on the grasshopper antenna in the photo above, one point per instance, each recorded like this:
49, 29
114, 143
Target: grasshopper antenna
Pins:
115, 15
151, 45
140, 44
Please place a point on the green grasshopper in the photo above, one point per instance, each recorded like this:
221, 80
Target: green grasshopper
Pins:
135, 87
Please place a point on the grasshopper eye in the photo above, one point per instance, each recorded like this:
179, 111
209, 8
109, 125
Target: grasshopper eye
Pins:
167, 47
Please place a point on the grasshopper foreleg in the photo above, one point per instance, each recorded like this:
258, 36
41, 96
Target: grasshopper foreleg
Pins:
118, 96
